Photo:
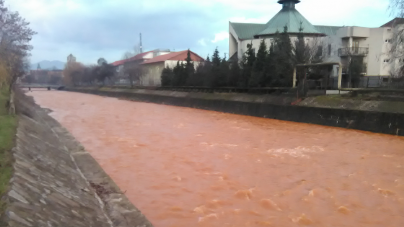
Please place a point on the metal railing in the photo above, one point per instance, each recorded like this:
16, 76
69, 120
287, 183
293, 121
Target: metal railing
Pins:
353, 51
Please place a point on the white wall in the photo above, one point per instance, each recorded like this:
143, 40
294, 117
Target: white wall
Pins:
152, 72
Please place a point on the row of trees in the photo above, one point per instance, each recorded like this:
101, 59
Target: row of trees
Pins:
75, 73
15, 35
270, 67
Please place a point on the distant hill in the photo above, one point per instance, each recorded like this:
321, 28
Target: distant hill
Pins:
49, 65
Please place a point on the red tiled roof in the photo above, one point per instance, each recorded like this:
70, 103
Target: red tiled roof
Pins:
134, 58
174, 56
118, 63
139, 56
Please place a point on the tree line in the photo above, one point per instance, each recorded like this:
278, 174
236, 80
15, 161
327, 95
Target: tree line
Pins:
270, 67
76, 73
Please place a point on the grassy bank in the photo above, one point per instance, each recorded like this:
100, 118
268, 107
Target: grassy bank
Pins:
7, 132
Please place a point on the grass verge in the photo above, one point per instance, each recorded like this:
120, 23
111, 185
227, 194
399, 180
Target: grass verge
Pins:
8, 126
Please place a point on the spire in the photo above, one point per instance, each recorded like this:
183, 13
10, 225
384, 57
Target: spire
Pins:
288, 4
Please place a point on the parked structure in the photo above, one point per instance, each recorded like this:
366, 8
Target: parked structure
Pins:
338, 43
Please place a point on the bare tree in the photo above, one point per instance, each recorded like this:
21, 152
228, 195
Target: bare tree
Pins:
72, 74
134, 72
15, 36
396, 51
131, 53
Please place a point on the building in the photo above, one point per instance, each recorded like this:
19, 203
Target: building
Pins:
338, 43
123, 65
151, 65
153, 68
71, 58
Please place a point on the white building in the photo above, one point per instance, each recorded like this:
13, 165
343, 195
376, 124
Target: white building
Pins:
339, 43
151, 64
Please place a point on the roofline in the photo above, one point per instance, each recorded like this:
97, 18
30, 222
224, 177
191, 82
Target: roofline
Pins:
178, 53
293, 33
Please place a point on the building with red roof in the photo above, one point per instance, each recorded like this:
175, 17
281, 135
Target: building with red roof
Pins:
151, 65
153, 68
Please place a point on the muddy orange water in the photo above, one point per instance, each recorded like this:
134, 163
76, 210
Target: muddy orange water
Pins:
189, 167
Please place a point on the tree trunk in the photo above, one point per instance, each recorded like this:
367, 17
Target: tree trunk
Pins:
11, 106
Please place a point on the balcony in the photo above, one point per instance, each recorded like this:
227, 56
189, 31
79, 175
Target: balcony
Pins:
353, 51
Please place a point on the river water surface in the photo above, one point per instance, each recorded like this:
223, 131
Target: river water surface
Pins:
187, 167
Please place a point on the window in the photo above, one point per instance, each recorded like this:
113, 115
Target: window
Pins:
320, 51
386, 60
385, 80
329, 49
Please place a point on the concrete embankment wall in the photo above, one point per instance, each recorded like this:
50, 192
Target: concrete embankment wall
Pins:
57, 183
266, 106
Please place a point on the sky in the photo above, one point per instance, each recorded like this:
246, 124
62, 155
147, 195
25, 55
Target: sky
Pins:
91, 29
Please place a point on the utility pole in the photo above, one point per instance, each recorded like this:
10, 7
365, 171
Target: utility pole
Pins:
141, 46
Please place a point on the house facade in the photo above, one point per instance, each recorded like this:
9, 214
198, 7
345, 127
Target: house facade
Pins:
338, 43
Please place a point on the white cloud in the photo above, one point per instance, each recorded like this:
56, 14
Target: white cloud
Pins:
87, 29
221, 36
202, 42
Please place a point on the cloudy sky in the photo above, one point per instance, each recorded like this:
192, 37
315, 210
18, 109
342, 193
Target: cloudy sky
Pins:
90, 29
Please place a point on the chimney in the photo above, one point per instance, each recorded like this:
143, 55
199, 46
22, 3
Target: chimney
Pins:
141, 46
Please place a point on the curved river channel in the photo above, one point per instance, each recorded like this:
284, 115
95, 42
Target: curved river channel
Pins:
186, 167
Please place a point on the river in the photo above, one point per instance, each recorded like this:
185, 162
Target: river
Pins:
190, 167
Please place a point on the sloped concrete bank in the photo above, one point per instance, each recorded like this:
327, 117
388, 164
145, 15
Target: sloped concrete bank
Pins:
266, 106
57, 183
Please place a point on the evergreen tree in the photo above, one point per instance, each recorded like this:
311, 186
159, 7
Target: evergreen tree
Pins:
302, 55
189, 68
213, 78
224, 73
301, 50
247, 64
183, 74
269, 67
216, 58
284, 62
176, 81
234, 75
166, 77
257, 72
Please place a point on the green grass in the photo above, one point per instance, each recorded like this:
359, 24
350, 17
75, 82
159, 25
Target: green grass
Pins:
8, 126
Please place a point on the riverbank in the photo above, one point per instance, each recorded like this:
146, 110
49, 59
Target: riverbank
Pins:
8, 126
56, 182
267, 106
364, 102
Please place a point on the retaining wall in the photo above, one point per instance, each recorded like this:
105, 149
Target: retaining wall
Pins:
57, 183
380, 122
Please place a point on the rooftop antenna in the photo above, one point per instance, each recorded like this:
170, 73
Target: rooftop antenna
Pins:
141, 46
